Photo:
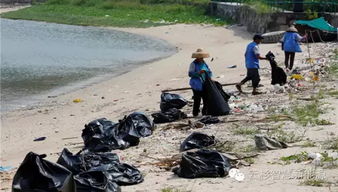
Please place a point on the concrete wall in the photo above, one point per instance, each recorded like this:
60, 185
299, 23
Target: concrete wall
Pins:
261, 22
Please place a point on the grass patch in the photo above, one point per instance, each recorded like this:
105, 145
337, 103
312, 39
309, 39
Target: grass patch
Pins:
169, 189
333, 93
223, 147
323, 122
309, 143
245, 131
260, 7
307, 114
297, 158
331, 143
315, 182
120, 13
286, 136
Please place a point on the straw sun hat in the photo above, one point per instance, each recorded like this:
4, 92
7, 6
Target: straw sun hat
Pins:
292, 28
200, 54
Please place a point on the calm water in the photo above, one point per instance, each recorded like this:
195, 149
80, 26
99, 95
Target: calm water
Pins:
40, 59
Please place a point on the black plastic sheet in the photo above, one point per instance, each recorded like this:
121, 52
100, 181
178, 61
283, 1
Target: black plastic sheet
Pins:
209, 120
38, 175
215, 102
197, 141
203, 163
171, 115
265, 143
169, 100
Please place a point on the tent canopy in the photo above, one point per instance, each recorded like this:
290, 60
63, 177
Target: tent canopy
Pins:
319, 23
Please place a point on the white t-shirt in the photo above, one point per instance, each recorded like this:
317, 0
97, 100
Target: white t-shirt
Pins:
256, 50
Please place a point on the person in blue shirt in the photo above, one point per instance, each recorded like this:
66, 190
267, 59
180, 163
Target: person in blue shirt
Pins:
290, 45
252, 57
198, 71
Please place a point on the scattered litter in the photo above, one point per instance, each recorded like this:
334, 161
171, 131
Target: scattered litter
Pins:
265, 143
40, 139
203, 163
232, 66
297, 76
78, 100
197, 141
5, 168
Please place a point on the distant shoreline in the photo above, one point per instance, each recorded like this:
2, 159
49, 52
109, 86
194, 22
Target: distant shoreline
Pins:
4, 8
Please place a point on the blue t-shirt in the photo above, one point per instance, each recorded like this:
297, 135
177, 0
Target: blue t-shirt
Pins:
291, 40
251, 60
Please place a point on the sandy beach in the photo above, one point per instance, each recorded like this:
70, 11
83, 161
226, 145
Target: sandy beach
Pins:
61, 120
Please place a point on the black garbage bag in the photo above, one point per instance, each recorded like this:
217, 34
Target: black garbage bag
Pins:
215, 103
171, 115
38, 175
203, 163
121, 173
197, 141
220, 89
86, 160
133, 127
169, 100
106, 162
95, 181
209, 120
100, 135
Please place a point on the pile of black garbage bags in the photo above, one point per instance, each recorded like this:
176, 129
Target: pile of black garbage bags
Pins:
94, 168
170, 108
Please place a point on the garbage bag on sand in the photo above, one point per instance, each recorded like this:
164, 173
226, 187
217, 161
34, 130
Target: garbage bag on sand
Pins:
85, 160
171, 115
169, 100
104, 135
215, 103
196, 141
265, 143
209, 120
135, 126
203, 163
107, 162
220, 89
94, 181
100, 135
37, 174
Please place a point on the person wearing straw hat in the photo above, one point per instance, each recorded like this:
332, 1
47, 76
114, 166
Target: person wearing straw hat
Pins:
252, 57
290, 45
198, 71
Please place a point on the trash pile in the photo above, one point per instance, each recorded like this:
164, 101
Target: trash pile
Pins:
170, 108
103, 135
94, 168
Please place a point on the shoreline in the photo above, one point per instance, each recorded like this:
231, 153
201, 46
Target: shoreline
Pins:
55, 114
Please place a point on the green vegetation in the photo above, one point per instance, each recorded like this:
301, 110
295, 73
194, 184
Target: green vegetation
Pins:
297, 158
315, 182
286, 136
120, 13
309, 143
245, 131
331, 143
307, 114
169, 189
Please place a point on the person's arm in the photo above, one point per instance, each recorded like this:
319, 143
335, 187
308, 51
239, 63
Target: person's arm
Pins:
300, 38
256, 51
192, 72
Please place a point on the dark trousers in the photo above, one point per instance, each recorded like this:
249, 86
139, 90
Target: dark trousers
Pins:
253, 75
289, 56
198, 95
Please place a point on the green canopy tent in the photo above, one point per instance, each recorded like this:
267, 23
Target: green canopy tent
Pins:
317, 29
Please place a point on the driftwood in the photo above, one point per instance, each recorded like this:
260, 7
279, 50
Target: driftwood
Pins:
187, 88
